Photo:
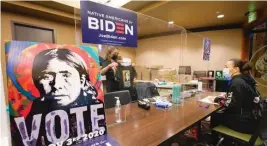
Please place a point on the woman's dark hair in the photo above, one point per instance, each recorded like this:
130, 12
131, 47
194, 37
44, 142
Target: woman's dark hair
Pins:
110, 50
242, 65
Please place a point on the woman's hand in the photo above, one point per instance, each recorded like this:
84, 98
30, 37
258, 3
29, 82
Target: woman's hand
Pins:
223, 95
134, 81
113, 65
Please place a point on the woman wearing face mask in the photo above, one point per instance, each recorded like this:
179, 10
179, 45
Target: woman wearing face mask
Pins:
237, 113
109, 68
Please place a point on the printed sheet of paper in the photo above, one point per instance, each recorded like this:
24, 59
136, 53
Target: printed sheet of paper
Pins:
209, 99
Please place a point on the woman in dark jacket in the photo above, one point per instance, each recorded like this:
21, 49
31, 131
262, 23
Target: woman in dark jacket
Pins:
237, 113
110, 69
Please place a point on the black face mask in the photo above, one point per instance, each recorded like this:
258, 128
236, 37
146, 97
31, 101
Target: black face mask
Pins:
114, 57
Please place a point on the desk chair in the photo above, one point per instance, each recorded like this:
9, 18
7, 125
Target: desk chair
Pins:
146, 90
110, 101
248, 139
237, 136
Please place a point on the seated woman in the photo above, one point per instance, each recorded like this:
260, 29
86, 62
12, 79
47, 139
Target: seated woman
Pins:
237, 113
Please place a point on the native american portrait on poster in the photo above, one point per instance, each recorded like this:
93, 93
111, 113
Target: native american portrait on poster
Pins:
54, 93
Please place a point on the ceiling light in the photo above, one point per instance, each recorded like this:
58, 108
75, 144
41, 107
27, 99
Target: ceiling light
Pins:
220, 16
115, 3
170, 22
112, 3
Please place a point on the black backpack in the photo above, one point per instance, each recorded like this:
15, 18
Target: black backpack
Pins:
259, 112
259, 109
259, 104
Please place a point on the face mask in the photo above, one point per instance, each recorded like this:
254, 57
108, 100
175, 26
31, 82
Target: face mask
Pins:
114, 57
227, 74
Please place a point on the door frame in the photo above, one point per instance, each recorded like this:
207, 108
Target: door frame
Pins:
251, 35
13, 23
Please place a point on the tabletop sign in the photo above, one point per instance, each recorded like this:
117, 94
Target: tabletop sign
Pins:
102, 24
54, 94
206, 49
104, 140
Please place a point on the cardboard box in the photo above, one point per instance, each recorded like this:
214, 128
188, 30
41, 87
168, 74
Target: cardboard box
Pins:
168, 75
154, 74
138, 70
145, 74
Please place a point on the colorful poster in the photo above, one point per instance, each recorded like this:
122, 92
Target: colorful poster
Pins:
104, 140
102, 24
206, 49
54, 94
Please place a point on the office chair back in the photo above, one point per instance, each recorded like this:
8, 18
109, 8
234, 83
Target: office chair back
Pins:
146, 90
110, 101
254, 139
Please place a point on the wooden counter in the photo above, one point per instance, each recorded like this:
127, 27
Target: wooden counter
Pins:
150, 128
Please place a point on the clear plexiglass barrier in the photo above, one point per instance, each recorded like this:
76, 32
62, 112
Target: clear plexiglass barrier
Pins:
156, 59
159, 52
166, 54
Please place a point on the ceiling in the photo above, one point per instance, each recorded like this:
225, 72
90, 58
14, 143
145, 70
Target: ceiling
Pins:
76, 3
149, 27
152, 16
196, 14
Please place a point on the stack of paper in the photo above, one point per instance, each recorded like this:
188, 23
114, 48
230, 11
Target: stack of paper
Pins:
209, 99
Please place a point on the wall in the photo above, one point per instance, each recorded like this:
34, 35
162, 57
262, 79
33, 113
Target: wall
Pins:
159, 51
65, 34
124, 52
129, 53
225, 44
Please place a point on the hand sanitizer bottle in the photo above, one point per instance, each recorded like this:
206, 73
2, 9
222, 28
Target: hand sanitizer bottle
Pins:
118, 110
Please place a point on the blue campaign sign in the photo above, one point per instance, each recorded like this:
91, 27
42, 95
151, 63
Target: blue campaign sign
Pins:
102, 24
